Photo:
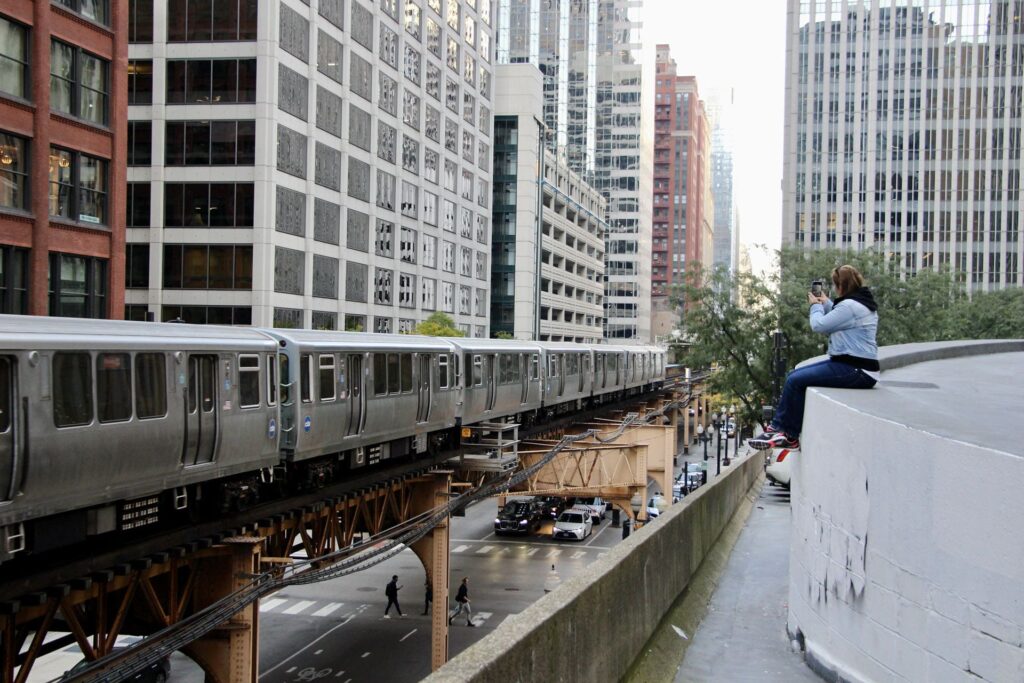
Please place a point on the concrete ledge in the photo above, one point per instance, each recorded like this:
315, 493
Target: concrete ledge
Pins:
906, 560
594, 625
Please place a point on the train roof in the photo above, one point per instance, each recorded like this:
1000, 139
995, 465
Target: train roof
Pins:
326, 339
495, 345
22, 330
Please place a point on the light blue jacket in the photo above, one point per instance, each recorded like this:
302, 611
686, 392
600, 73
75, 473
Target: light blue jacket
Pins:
851, 328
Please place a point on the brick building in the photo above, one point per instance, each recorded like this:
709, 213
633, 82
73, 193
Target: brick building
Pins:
63, 136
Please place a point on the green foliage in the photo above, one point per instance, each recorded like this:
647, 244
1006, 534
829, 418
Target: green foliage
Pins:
438, 325
728, 321
503, 335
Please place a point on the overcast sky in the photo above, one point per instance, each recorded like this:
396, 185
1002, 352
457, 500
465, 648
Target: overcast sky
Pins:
738, 44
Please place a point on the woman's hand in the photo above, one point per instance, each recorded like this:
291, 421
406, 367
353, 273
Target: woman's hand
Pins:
811, 299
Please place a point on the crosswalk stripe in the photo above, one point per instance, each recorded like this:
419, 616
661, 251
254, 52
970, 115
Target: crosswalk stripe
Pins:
554, 552
461, 549
532, 552
486, 549
327, 609
298, 607
484, 615
268, 605
578, 554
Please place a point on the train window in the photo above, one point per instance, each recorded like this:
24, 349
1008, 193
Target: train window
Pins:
571, 364
114, 387
406, 363
534, 366
72, 389
553, 365
286, 380
442, 370
6, 387
478, 370
305, 379
327, 392
503, 368
248, 381
380, 374
271, 381
150, 385
393, 379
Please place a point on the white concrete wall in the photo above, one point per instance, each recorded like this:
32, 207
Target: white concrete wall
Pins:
907, 551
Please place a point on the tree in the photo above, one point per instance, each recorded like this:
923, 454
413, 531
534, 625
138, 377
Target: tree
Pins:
438, 325
503, 335
989, 315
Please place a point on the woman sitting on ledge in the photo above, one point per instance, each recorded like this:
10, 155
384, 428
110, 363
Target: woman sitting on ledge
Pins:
851, 323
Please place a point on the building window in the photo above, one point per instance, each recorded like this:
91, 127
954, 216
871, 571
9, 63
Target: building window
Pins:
78, 186
140, 81
78, 83
13, 172
208, 315
97, 10
202, 266
211, 20
13, 280
78, 286
138, 201
211, 81
208, 205
140, 143
13, 58
140, 21
210, 143
136, 266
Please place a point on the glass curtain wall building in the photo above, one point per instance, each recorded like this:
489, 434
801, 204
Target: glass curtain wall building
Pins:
316, 165
903, 133
589, 54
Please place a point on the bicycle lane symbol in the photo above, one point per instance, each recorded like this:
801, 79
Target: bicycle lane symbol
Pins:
310, 674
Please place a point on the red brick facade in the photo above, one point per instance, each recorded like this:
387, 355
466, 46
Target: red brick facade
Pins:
35, 229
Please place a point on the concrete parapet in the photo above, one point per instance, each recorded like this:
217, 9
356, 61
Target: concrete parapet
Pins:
593, 626
906, 559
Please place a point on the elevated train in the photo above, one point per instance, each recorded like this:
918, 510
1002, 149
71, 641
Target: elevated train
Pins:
112, 426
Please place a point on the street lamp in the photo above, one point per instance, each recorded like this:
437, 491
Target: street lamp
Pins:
716, 422
728, 417
704, 437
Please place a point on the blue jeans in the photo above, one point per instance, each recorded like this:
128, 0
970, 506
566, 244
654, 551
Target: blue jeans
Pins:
789, 416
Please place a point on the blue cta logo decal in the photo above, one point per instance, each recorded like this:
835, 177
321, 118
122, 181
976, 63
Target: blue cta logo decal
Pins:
307, 424
272, 428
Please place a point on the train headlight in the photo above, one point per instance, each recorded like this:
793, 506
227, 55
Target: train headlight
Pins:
466, 432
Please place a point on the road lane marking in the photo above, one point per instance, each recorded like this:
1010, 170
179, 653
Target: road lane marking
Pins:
308, 646
298, 607
484, 615
365, 655
291, 669
340, 674
554, 552
318, 652
330, 607
486, 549
270, 604
407, 635
461, 549
532, 552
578, 554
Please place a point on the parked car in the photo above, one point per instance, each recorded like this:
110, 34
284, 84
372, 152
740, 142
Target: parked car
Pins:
518, 517
552, 506
688, 480
598, 507
780, 466
158, 672
655, 505
573, 523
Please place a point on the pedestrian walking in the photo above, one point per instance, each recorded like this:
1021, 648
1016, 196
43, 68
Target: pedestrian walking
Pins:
428, 597
462, 603
391, 591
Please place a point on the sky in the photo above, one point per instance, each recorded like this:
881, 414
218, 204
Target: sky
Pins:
737, 44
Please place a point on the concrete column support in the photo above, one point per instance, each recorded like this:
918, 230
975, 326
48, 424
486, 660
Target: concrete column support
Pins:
432, 550
229, 654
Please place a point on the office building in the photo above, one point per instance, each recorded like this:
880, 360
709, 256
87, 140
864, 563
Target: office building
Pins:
903, 133
594, 113
319, 165
549, 227
63, 136
684, 211
725, 252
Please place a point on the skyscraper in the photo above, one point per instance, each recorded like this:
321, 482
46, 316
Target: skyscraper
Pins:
726, 230
684, 210
63, 135
322, 165
588, 52
903, 133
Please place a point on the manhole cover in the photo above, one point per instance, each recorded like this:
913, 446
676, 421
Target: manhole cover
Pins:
367, 589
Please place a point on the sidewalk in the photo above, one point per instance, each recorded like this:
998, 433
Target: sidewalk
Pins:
743, 635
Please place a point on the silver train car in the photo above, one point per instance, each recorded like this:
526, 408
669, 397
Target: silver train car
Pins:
113, 426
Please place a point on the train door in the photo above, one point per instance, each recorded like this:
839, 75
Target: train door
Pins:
489, 377
423, 410
355, 400
524, 375
201, 419
584, 370
8, 427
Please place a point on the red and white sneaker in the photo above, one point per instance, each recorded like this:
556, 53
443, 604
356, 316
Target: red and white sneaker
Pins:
773, 438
